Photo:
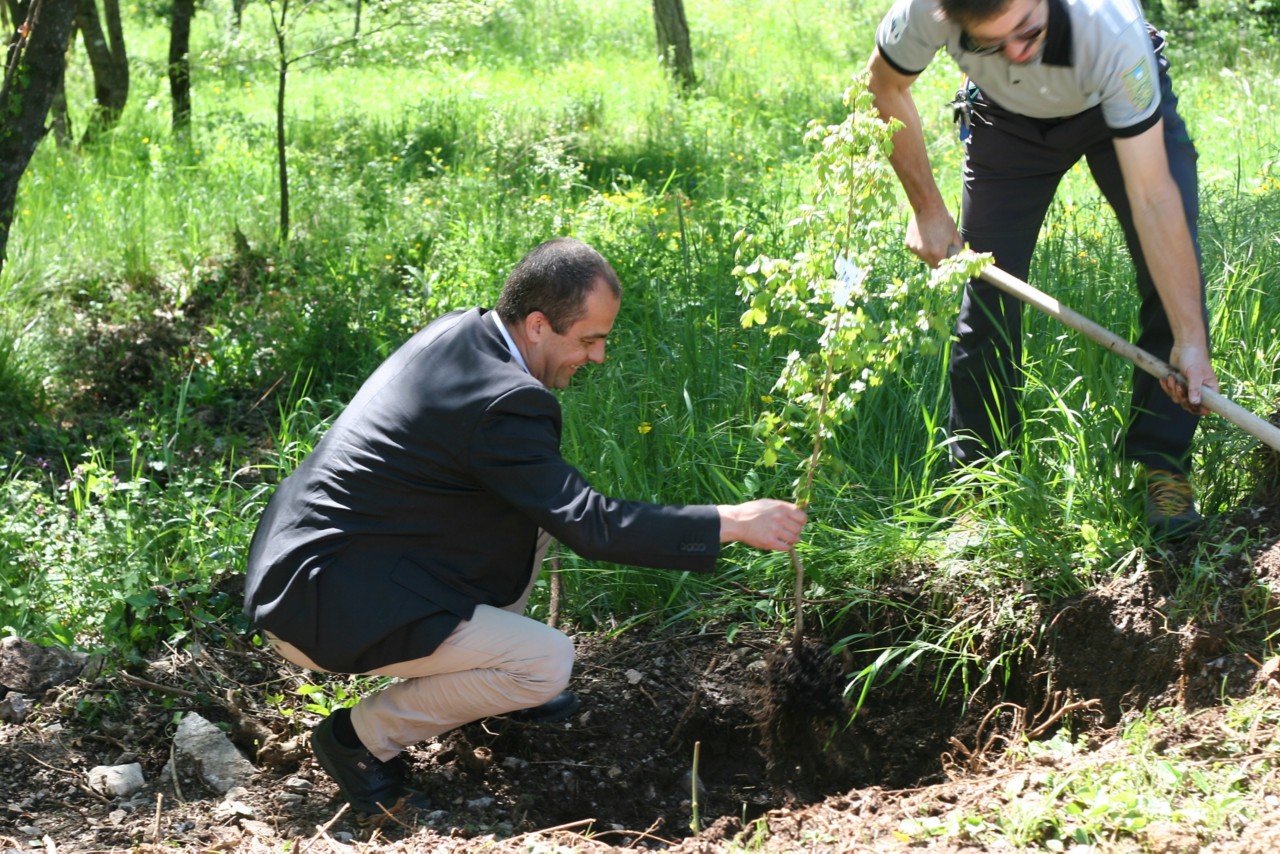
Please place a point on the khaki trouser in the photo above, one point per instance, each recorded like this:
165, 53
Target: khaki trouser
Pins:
496, 662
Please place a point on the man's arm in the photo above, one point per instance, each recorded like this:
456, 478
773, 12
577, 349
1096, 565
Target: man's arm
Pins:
932, 231
1162, 229
766, 523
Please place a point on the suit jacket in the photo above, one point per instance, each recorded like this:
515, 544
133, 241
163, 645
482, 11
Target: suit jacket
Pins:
424, 499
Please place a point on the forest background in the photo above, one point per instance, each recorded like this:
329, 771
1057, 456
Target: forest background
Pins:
180, 324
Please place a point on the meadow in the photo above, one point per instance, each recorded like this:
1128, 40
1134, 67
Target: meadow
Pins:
167, 354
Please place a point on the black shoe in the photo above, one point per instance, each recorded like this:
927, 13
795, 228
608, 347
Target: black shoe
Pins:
367, 783
557, 708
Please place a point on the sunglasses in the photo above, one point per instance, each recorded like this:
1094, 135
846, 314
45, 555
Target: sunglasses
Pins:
977, 48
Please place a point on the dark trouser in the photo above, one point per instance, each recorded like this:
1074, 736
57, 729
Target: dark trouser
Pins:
1013, 165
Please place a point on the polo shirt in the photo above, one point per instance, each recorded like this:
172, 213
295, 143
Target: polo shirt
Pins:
1095, 53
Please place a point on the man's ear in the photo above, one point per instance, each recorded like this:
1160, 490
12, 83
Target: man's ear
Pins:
535, 326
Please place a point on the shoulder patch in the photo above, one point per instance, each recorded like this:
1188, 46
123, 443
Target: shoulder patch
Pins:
1139, 86
896, 25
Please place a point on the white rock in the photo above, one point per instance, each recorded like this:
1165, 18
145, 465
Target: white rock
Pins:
298, 784
15, 708
116, 781
203, 747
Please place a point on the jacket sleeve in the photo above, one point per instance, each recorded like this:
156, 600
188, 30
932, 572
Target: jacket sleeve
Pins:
515, 452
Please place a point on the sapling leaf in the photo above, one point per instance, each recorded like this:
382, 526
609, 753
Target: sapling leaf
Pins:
830, 289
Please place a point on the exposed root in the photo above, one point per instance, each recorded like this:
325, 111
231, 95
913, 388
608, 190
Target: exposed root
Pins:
965, 760
804, 703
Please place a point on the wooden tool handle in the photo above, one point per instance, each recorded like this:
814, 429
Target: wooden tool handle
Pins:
1259, 428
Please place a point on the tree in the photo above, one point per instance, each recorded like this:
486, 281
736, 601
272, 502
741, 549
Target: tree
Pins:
180, 63
840, 293
14, 11
300, 46
33, 70
237, 15
673, 41
840, 296
280, 22
109, 62
61, 114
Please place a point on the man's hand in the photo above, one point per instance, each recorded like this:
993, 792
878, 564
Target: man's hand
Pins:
764, 524
1161, 222
933, 236
932, 230
1193, 361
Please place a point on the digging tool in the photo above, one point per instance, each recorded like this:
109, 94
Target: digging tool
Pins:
1259, 428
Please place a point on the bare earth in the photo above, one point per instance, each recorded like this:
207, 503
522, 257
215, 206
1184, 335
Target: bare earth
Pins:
619, 775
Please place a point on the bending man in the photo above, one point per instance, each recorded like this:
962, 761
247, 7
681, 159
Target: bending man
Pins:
407, 543
1048, 82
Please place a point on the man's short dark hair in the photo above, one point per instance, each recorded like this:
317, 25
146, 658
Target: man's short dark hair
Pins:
969, 12
555, 279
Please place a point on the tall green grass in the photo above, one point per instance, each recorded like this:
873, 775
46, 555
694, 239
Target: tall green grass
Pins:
422, 170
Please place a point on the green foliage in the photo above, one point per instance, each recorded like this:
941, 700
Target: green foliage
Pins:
19, 381
833, 286
100, 557
170, 362
1132, 787
1260, 15
326, 699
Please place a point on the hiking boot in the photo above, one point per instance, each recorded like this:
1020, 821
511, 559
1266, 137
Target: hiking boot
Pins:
1171, 505
964, 510
965, 535
367, 783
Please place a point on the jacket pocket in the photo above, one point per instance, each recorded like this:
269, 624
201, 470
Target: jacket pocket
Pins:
418, 579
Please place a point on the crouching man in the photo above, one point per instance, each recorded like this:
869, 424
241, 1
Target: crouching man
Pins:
407, 543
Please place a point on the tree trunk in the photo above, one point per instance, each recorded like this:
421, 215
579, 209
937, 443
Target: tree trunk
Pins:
673, 41
180, 64
109, 62
282, 154
62, 132
36, 59
237, 15
281, 26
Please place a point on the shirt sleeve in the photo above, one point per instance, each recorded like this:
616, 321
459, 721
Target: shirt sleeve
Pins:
910, 35
1131, 83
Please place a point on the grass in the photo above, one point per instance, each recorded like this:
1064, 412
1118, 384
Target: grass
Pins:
415, 201
164, 359
1146, 784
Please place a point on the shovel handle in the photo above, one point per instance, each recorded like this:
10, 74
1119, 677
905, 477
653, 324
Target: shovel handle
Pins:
1259, 428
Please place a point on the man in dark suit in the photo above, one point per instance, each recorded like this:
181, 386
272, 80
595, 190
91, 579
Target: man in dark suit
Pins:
407, 543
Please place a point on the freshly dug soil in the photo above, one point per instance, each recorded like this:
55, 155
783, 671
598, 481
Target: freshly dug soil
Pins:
776, 772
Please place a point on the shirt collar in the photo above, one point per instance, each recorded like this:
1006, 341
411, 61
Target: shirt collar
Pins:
1057, 39
511, 344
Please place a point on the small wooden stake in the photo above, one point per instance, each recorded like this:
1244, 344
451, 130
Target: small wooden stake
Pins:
695, 824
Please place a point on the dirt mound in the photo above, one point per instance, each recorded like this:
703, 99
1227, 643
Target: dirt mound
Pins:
620, 774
